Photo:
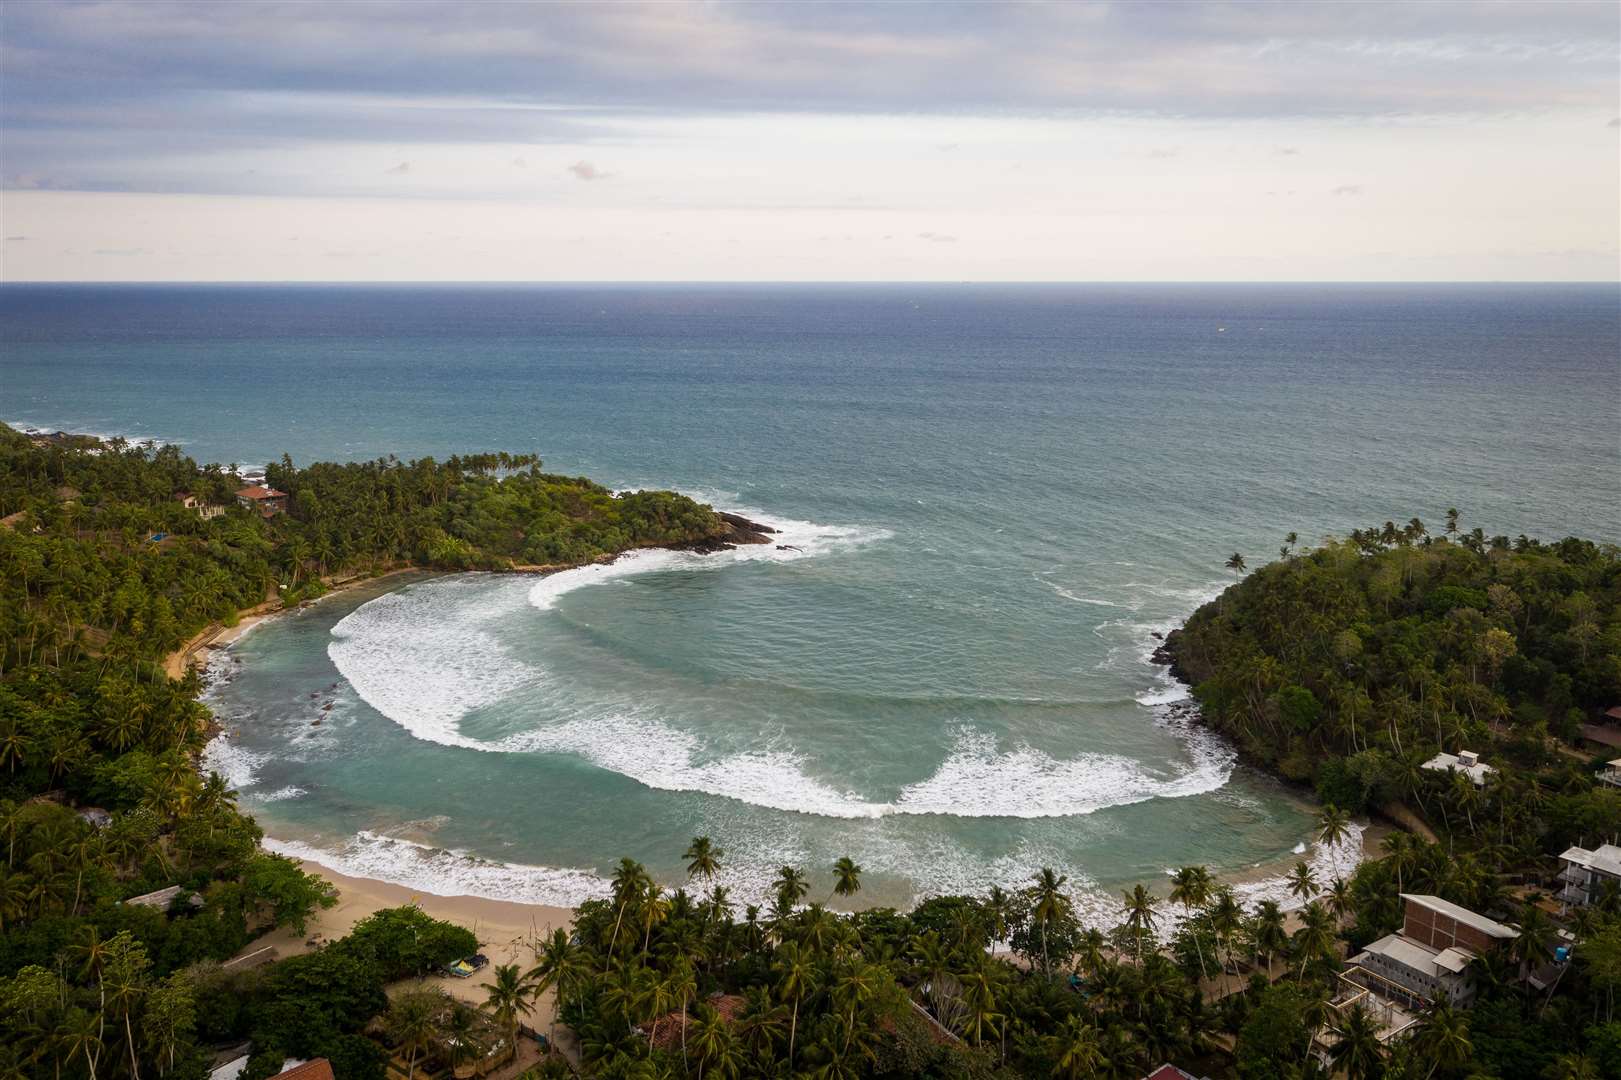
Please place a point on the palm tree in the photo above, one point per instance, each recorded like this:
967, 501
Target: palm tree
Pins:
1051, 905
1316, 937
1536, 941
681, 986
1140, 917
1443, 1038
1268, 932
1340, 901
1076, 1050
791, 887
560, 965
461, 1036
1190, 887
794, 975
654, 910
629, 882
508, 998
81, 1037
1333, 826
846, 878
1357, 1052
712, 1038
1235, 563
703, 858
1303, 881
1226, 918
411, 1023
760, 1022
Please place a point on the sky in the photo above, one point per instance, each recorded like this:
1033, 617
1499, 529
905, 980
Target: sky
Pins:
428, 141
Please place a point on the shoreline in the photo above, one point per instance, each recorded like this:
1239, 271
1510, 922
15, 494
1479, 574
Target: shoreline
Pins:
512, 921
504, 929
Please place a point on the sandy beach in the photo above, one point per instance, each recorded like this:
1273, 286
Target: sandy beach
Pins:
504, 929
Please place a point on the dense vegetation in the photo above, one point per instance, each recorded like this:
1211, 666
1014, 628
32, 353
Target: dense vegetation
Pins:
100, 799
1344, 666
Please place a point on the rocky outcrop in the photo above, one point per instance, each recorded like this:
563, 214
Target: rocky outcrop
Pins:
736, 530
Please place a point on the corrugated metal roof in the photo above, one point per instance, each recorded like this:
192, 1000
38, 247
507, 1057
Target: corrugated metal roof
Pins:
1463, 915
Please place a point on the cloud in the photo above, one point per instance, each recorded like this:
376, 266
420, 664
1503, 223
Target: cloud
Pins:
584, 170
122, 252
519, 163
15, 239
1288, 151
399, 170
937, 238
1614, 123
1165, 152
1347, 189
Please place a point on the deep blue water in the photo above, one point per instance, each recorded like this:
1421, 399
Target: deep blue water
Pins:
1002, 491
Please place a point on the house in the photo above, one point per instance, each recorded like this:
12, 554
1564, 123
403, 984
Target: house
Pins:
1170, 1072
266, 500
1464, 761
1429, 957
195, 503
1587, 874
1611, 773
162, 899
1398, 977
314, 1069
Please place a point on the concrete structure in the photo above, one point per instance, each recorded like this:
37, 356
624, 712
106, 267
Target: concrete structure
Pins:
163, 898
202, 509
266, 500
1464, 761
1585, 875
1611, 773
1429, 958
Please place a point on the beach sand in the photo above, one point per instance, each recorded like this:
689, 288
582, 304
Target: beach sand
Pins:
504, 930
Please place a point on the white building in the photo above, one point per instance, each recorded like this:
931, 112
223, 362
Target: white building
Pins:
1464, 761
1585, 875
1612, 773
1429, 958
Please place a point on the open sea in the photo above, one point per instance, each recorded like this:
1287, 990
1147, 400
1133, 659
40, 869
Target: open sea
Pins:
996, 497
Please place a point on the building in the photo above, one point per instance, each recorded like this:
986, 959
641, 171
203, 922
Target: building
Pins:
1464, 761
163, 899
1399, 976
1611, 773
195, 503
1429, 957
267, 501
1586, 875
1170, 1072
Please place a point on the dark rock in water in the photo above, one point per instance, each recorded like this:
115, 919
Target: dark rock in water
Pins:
315, 693
743, 524
316, 722
328, 706
789, 547
1156, 635
739, 530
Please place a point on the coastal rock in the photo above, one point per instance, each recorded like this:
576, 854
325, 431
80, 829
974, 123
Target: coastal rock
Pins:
739, 530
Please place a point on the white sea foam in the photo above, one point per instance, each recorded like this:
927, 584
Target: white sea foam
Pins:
235, 764
447, 872
794, 540
279, 795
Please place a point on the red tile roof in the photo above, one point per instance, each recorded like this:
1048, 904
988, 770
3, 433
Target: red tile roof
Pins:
315, 1069
667, 1028
259, 491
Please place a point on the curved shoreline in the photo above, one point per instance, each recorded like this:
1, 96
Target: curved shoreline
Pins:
1255, 880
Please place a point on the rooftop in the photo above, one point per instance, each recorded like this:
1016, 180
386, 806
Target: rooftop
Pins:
1465, 763
1606, 858
259, 491
1463, 915
1415, 957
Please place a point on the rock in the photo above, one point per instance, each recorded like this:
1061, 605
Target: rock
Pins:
1156, 635
789, 547
316, 722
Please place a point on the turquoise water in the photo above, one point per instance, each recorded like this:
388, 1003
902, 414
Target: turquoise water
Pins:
995, 495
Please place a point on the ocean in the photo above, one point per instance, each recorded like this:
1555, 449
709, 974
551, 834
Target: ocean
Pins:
993, 497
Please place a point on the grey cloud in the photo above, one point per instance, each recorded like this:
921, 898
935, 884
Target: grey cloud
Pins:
1168, 152
1347, 189
1288, 151
88, 86
1614, 123
584, 170
15, 239
121, 252
399, 170
937, 238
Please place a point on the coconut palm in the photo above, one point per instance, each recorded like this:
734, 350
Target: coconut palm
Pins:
1316, 937
1077, 1050
1443, 1038
1358, 1050
1303, 881
703, 858
1235, 563
791, 887
1333, 826
794, 975
412, 1024
1051, 905
1190, 887
1140, 917
681, 986
560, 965
846, 878
630, 881
508, 998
